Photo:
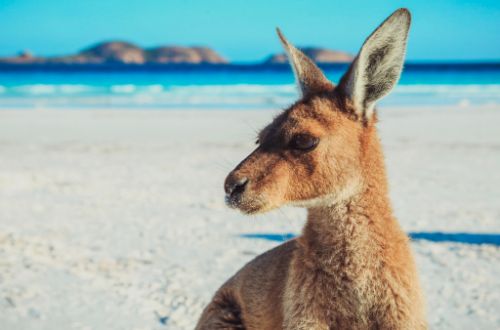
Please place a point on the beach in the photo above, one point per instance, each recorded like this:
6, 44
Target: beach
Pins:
115, 219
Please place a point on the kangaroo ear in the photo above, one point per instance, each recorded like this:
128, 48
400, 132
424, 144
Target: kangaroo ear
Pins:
377, 68
310, 79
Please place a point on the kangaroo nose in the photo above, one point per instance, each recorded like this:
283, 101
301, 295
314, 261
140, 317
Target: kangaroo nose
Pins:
235, 185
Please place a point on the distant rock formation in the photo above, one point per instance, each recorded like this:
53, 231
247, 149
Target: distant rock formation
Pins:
191, 55
114, 51
318, 55
122, 52
125, 53
25, 56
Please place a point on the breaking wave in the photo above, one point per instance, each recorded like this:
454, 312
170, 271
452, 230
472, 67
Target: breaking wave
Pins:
222, 95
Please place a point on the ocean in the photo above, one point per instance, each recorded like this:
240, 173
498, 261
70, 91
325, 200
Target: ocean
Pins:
228, 86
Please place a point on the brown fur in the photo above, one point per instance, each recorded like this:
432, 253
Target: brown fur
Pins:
352, 266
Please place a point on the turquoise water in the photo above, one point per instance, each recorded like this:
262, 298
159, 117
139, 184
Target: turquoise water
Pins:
231, 88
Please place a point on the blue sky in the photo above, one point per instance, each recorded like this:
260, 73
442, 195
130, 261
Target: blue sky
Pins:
244, 30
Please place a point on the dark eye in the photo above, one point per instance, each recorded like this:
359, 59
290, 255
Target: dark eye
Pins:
303, 142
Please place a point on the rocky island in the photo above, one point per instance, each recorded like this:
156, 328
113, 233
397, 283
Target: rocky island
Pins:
319, 55
121, 52
117, 54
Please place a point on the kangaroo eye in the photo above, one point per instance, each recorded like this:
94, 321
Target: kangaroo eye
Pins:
304, 142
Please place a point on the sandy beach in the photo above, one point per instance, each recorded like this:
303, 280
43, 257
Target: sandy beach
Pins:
115, 219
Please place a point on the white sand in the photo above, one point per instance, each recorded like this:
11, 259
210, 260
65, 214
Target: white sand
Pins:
116, 220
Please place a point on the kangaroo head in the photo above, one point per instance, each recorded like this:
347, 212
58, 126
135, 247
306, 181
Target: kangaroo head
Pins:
311, 153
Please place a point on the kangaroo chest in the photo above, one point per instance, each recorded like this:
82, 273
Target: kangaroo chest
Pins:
318, 299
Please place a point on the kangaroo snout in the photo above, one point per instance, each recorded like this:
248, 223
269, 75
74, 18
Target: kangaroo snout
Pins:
234, 186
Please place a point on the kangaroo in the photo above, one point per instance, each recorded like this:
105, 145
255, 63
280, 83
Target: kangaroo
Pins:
352, 267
